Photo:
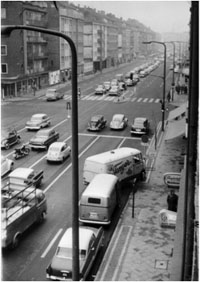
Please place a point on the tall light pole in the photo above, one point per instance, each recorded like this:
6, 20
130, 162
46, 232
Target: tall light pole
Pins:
164, 81
6, 31
173, 74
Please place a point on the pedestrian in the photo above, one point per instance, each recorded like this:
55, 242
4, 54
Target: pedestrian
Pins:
177, 88
172, 201
168, 97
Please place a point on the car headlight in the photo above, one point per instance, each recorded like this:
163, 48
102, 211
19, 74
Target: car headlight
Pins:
3, 142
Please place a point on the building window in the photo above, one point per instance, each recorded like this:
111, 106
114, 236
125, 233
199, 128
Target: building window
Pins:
3, 50
4, 68
3, 13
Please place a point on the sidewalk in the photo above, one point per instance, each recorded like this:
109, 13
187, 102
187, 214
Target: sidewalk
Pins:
141, 250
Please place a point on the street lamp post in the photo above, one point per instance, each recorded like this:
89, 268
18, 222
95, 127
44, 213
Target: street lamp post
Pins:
164, 81
173, 74
6, 30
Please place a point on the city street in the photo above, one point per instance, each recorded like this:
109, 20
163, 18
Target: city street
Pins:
38, 245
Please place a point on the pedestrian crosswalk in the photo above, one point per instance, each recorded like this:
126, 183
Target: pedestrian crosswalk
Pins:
113, 98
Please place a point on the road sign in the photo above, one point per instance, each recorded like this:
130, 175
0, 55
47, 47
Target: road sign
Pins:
144, 138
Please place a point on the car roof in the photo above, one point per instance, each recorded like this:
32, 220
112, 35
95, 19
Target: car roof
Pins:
96, 117
84, 238
21, 172
38, 115
46, 130
57, 145
119, 116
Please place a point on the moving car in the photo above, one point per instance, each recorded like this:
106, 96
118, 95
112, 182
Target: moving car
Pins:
9, 139
100, 90
44, 138
114, 91
97, 123
7, 165
53, 95
107, 85
38, 121
122, 86
119, 121
90, 242
140, 126
58, 152
129, 82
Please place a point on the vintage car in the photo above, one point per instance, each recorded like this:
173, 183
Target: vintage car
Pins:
122, 86
107, 85
53, 95
140, 126
114, 91
58, 152
7, 165
119, 121
44, 138
97, 123
38, 121
9, 138
90, 242
100, 90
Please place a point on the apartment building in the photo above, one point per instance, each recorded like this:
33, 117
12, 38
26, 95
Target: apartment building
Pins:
70, 21
24, 55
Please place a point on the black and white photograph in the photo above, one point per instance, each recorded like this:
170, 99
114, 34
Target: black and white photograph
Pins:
99, 140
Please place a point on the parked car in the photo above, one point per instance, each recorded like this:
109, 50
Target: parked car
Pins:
107, 85
90, 242
58, 152
114, 82
97, 123
140, 126
119, 121
9, 138
38, 121
7, 165
100, 90
53, 95
43, 139
114, 91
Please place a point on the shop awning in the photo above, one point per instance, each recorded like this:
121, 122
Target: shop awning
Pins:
178, 112
175, 129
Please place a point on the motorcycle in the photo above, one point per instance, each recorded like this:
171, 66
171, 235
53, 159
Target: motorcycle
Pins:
21, 152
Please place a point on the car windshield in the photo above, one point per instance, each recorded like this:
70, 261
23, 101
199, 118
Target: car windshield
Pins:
94, 119
63, 252
42, 133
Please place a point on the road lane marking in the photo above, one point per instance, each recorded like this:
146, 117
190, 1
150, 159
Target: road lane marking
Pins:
151, 100
110, 136
123, 140
51, 243
145, 100
157, 100
87, 148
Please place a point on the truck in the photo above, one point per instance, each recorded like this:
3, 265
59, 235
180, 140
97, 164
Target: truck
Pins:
125, 163
20, 210
22, 177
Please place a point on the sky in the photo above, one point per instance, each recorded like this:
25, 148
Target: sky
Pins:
160, 16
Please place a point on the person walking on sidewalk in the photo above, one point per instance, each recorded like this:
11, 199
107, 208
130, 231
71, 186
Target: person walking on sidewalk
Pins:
172, 201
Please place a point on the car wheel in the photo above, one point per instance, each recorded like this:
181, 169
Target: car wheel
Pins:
16, 240
42, 217
18, 140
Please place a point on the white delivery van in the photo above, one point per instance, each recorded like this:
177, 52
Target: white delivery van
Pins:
125, 163
99, 200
